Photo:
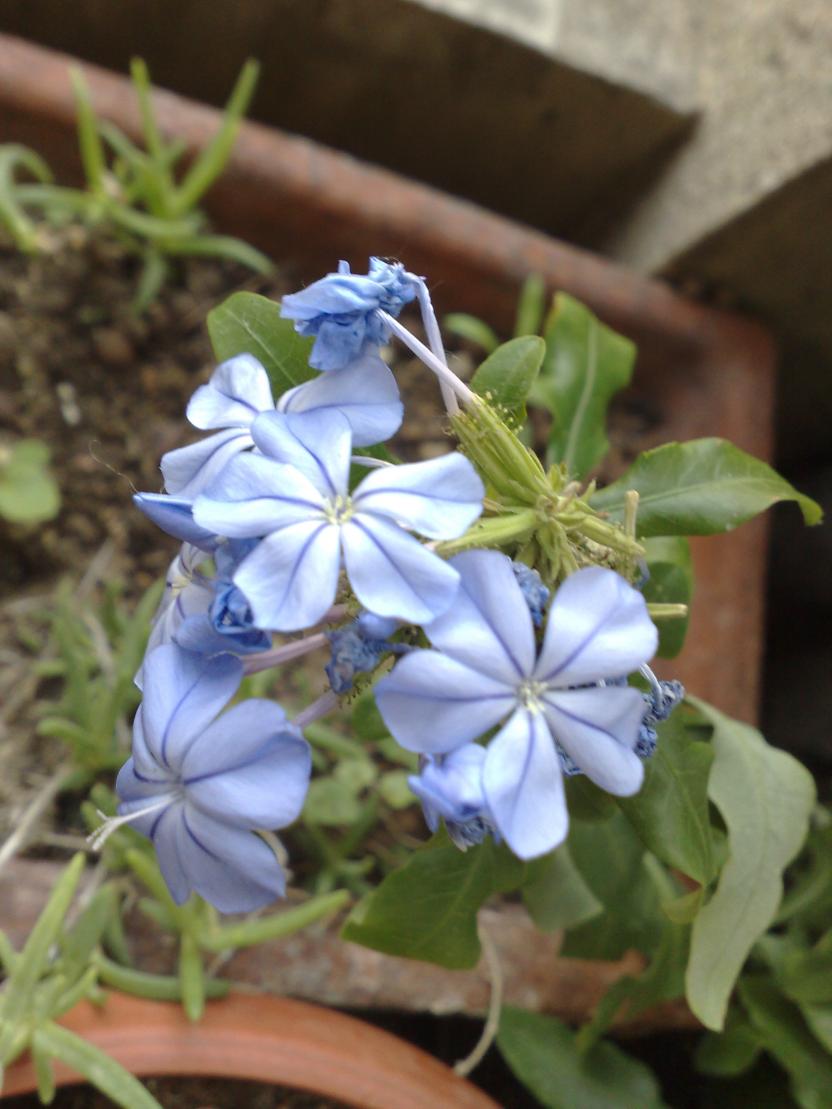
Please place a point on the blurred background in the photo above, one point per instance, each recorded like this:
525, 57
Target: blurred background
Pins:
689, 140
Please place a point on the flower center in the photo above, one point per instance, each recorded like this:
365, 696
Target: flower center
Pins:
338, 510
530, 695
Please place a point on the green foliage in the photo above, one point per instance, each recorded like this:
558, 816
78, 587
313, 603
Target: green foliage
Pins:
248, 323
557, 897
29, 493
586, 364
703, 487
542, 1053
39, 988
507, 375
99, 649
670, 582
427, 909
765, 798
670, 813
133, 189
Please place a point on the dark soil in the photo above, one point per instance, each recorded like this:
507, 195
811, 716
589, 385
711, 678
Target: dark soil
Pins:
190, 1093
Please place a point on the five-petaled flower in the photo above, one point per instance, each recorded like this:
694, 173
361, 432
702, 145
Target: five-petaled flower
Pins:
294, 496
487, 668
200, 785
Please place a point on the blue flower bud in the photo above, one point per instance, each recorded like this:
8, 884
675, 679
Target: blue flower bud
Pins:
450, 788
355, 650
535, 593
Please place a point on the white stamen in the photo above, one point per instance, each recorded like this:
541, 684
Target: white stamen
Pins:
429, 358
99, 837
655, 685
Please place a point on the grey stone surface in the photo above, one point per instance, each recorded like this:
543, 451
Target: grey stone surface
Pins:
545, 125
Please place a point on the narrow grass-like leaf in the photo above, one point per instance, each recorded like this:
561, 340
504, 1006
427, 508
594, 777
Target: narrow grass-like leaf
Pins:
472, 329
100, 1070
250, 932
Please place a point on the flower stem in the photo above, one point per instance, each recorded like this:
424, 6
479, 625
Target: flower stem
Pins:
324, 704
265, 660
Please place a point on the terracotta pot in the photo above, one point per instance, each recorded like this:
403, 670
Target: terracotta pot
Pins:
700, 371
264, 1039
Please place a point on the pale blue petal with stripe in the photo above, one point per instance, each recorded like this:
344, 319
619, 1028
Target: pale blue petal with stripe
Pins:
188, 470
598, 627
524, 786
392, 574
182, 695
433, 704
488, 626
249, 768
318, 443
598, 728
254, 496
175, 516
440, 498
365, 392
237, 392
291, 576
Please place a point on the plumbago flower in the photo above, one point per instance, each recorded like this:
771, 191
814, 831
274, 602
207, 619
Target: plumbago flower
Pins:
239, 390
342, 311
450, 788
199, 784
487, 668
294, 496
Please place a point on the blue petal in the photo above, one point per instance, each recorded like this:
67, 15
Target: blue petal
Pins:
452, 786
249, 768
365, 392
598, 627
234, 870
317, 443
488, 626
335, 294
433, 704
188, 470
182, 695
135, 791
291, 577
254, 496
392, 574
440, 498
598, 728
176, 518
238, 390
524, 786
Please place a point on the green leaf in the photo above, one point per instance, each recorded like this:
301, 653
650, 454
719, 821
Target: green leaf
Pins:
586, 364
507, 375
427, 909
28, 491
806, 976
250, 932
819, 1019
765, 797
670, 812
472, 329
787, 1038
531, 304
394, 789
670, 582
331, 803
191, 977
250, 323
702, 487
542, 1053
558, 897
729, 1053
99, 1069
610, 858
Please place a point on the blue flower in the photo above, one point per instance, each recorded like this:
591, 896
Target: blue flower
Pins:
296, 496
341, 311
199, 785
175, 515
237, 393
365, 392
450, 788
358, 647
487, 668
